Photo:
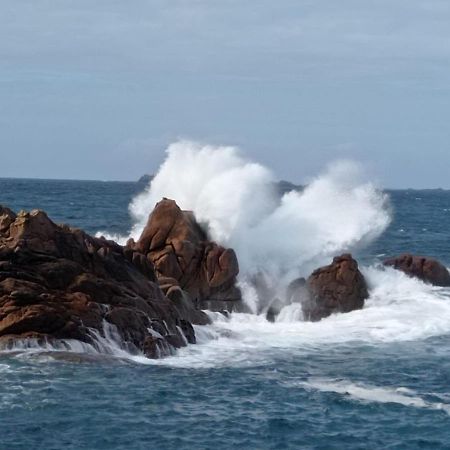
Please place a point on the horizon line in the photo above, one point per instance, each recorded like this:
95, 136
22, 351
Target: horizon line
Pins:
138, 181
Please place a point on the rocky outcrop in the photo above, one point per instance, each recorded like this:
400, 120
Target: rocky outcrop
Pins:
58, 283
338, 287
183, 257
426, 269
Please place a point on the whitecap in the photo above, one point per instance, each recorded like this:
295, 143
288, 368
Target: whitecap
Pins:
370, 393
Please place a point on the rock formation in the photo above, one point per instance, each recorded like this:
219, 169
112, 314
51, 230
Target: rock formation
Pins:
59, 283
422, 267
338, 287
184, 258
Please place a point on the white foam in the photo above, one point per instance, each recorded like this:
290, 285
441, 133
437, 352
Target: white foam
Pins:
369, 393
399, 309
108, 342
404, 308
225, 190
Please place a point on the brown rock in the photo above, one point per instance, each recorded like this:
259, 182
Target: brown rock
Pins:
426, 269
181, 251
7, 217
339, 287
58, 283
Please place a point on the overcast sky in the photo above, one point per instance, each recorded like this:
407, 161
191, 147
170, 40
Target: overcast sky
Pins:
98, 89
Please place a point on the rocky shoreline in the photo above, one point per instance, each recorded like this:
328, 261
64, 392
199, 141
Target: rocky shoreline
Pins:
59, 283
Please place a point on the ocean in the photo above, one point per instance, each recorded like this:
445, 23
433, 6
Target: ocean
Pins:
369, 379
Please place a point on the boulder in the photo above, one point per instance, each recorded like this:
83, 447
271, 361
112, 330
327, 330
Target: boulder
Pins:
180, 250
59, 283
338, 287
426, 269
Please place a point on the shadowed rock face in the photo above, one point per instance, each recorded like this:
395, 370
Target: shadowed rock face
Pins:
422, 267
183, 256
339, 287
58, 282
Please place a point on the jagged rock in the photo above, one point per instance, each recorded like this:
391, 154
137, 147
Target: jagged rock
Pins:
338, 287
59, 283
180, 251
426, 269
7, 217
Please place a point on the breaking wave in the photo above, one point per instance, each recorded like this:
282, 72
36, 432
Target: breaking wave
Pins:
283, 238
236, 201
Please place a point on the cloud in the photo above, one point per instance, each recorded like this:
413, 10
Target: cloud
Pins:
224, 38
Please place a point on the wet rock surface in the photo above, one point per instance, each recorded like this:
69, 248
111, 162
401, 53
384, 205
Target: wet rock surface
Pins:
426, 269
338, 287
59, 283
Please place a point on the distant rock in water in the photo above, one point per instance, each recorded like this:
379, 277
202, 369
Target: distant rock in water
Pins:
282, 187
145, 179
426, 269
338, 287
58, 283
184, 256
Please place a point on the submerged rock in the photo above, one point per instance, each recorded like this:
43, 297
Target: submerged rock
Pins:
426, 269
338, 287
183, 256
59, 283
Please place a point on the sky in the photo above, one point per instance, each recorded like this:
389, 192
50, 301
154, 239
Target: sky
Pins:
98, 89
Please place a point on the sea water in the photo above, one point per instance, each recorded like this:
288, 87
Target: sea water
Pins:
374, 378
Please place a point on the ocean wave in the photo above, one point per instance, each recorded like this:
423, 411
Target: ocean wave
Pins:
235, 200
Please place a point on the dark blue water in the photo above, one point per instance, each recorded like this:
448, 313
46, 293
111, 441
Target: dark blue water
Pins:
421, 224
90, 205
273, 387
